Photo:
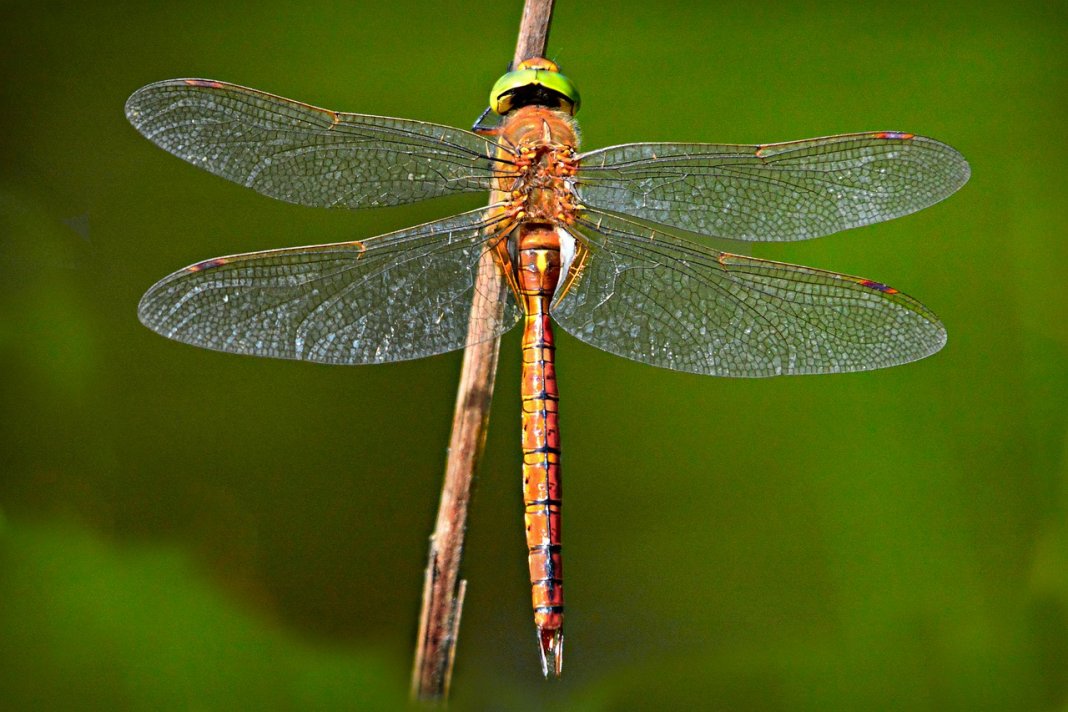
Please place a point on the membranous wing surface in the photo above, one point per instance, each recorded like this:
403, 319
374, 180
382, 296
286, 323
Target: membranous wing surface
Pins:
395, 297
655, 298
774, 192
303, 154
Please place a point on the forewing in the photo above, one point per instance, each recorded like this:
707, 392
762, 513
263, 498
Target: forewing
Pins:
399, 296
660, 300
302, 154
775, 192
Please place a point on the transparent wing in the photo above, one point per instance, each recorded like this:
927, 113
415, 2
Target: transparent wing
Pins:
302, 154
775, 192
660, 300
399, 296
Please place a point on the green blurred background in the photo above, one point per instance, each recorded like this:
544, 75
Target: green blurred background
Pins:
183, 529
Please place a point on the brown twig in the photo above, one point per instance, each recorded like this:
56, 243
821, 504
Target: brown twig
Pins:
443, 590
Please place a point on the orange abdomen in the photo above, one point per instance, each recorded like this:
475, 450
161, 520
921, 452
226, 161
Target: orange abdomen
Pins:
538, 272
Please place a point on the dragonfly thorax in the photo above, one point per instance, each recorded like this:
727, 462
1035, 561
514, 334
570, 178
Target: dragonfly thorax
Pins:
542, 187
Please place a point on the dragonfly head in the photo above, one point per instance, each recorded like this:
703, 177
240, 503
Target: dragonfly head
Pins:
537, 82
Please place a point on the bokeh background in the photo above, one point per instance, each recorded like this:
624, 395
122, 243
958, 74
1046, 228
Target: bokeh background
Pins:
183, 529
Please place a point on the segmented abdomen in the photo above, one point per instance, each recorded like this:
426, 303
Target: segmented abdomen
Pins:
538, 274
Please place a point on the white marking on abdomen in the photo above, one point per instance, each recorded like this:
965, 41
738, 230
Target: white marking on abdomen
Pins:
567, 255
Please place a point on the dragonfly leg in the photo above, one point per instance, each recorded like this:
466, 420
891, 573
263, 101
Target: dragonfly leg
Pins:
484, 129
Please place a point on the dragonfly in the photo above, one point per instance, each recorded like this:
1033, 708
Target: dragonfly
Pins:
611, 244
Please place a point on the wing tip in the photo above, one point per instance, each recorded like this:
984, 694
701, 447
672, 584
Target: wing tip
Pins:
134, 106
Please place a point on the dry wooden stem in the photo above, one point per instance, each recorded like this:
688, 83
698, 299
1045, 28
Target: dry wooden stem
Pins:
443, 590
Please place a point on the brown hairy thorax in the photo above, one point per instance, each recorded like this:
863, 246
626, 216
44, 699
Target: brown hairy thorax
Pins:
541, 143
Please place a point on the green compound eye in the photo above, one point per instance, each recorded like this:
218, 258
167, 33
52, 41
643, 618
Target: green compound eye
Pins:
534, 82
